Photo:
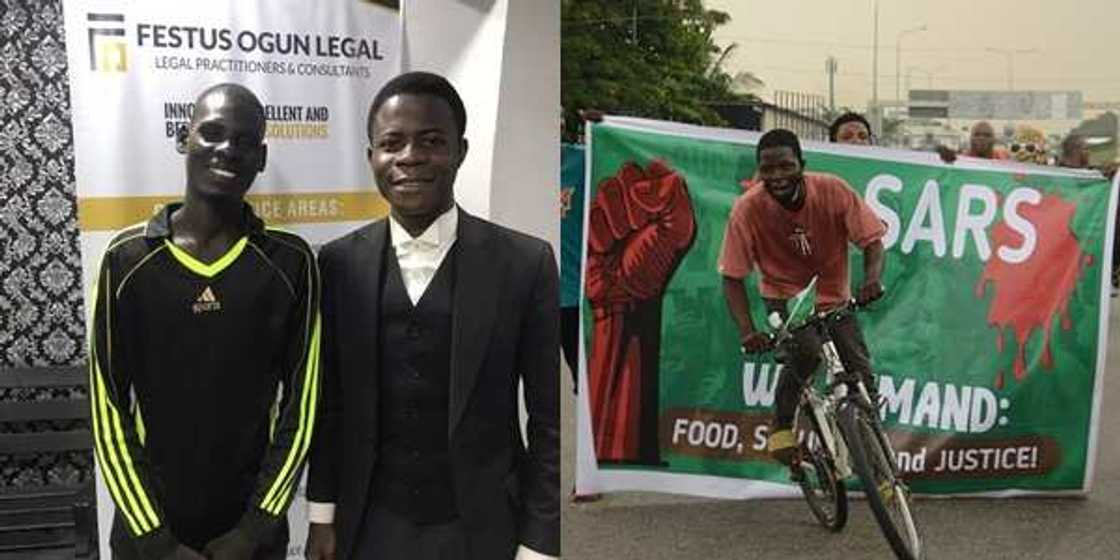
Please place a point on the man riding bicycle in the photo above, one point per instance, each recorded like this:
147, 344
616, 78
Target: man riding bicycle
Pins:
792, 227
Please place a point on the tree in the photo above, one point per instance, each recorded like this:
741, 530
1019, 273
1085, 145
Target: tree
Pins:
647, 58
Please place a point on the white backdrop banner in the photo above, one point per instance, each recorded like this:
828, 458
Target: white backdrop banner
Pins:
135, 70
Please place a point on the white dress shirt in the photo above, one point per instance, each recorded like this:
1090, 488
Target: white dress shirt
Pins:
419, 258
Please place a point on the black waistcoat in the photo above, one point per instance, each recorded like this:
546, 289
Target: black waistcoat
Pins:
413, 473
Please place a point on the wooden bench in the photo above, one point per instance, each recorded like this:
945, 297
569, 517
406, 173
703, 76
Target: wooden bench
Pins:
52, 521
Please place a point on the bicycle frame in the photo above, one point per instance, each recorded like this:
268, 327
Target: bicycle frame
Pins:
824, 405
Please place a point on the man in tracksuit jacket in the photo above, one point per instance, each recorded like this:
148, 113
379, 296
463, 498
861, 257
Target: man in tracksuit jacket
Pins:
204, 357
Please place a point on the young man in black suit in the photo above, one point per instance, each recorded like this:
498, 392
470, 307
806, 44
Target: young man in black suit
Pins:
431, 318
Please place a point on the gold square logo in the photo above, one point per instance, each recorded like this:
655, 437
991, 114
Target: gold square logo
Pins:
112, 56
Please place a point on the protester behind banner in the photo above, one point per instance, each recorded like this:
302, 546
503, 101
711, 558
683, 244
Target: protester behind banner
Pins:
981, 144
851, 128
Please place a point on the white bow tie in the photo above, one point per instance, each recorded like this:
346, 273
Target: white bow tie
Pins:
418, 245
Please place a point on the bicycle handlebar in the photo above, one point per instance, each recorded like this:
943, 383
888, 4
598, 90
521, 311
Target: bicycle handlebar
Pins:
851, 305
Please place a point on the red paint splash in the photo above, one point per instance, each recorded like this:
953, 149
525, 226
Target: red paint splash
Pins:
1030, 294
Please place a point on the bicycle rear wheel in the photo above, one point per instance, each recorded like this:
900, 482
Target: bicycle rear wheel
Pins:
887, 495
826, 495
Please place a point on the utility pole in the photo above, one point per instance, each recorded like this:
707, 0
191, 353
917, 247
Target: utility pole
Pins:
830, 67
898, 59
898, 75
876, 120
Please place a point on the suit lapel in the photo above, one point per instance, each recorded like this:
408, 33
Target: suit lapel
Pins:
367, 305
473, 311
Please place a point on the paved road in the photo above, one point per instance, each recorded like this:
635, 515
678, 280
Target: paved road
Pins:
645, 526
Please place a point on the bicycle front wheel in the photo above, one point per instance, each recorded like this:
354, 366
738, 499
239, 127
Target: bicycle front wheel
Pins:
887, 495
816, 474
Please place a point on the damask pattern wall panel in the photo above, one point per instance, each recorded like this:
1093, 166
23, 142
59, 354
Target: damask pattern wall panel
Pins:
41, 310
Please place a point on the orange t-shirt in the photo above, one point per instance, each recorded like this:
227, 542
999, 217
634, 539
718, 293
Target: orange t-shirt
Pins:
789, 248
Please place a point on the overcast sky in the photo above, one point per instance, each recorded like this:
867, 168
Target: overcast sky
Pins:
785, 43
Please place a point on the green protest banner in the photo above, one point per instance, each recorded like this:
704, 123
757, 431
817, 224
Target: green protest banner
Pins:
989, 344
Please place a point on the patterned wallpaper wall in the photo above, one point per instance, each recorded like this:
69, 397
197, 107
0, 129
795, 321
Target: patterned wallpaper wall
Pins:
41, 311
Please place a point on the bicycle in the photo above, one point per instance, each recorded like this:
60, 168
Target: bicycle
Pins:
843, 407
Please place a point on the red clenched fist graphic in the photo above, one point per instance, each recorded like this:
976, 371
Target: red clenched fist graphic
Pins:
641, 225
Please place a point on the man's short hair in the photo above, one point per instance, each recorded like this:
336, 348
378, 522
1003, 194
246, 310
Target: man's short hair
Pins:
239, 91
844, 119
777, 138
1072, 143
420, 83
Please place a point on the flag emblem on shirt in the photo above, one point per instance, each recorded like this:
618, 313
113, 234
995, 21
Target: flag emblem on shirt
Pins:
206, 301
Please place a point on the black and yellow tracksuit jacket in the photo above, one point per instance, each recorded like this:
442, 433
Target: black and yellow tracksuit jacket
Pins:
204, 381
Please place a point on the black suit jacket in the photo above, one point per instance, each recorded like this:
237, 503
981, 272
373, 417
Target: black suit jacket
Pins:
505, 328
